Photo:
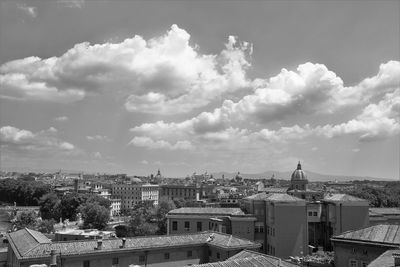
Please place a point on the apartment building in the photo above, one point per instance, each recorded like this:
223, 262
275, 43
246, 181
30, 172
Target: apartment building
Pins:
172, 192
225, 220
359, 248
131, 194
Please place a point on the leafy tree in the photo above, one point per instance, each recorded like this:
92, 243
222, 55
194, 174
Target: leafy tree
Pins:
46, 226
26, 219
70, 204
94, 216
161, 212
122, 231
50, 207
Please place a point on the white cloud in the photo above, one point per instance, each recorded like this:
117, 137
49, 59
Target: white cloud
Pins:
144, 162
162, 75
61, 118
46, 140
98, 138
147, 142
31, 11
72, 3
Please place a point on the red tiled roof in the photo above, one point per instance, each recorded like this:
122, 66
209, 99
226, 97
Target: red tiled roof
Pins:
384, 260
26, 239
213, 211
79, 247
248, 258
380, 234
342, 197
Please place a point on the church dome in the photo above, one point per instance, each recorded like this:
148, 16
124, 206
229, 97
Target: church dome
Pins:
299, 174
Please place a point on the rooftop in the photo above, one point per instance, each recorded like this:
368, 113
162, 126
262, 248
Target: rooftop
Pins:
26, 245
385, 260
212, 211
384, 211
276, 197
248, 258
342, 198
379, 234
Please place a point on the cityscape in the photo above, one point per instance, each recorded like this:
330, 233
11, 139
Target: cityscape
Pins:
199, 133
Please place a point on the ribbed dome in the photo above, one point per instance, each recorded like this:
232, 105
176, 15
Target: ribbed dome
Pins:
299, 174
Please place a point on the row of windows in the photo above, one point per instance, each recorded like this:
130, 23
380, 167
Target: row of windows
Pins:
259, 229
199, 226
142, 258
270, 231
354, 263
270, 249
312, 213
210, 254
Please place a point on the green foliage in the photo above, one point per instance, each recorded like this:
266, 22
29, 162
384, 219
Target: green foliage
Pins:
383, 196
94, 216
46, 226
26, 219
50, 207
24, 193
121, 231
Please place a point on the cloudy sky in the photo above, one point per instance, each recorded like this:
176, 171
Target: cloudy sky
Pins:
133, 86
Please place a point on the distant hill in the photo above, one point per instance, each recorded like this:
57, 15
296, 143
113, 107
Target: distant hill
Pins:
312, 176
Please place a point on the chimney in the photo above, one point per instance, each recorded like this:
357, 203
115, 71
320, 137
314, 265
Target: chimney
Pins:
99, 243
53, 258
396, 256
123, 243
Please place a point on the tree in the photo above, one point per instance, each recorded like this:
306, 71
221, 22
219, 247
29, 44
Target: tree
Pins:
70, 204
161, 212
122, 231
46, 226
50, 207
26, 219
94, 216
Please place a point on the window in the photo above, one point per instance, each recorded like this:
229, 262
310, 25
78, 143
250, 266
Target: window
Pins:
364, 264
209, 253
187, 226
353, 263
142, 258
310, 213
174, 226
189, 254
166, 256
199, 227
315, 213
114, 261
86, 263
218, 255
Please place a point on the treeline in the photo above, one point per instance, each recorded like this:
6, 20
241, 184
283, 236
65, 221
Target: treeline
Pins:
24, 193
94, 209
386, 196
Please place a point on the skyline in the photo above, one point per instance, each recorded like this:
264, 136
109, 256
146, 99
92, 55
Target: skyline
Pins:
130, 87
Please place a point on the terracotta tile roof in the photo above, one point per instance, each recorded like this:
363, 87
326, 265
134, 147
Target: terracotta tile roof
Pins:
380, 234
384, 260
384, 211
259, 196
248, 258
284, 198
212, 211
79, 247
26, 239
342, 197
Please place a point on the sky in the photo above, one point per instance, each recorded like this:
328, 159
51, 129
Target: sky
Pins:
183, 86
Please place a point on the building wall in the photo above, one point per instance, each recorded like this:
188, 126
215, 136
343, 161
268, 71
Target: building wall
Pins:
345, 217
205, 222
287, 229
171, 192
243, 228
361, 253
156, 258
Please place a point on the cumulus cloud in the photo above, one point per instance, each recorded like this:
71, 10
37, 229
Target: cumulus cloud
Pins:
61, 118
147, 142
31, 11
162, 75
377, 121
98, 138
72, 3
46, 140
